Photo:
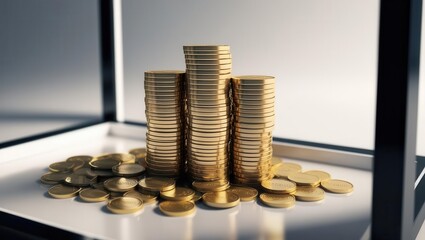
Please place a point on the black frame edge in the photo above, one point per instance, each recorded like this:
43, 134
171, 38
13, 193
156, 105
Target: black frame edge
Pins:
396, 119
106, 25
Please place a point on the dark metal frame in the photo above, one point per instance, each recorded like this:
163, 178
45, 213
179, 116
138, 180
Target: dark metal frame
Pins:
397, 209
107, 58
393, 207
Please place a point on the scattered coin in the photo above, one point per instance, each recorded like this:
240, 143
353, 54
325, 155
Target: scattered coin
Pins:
128, 170
177, 209
223, 199
304, 179
244, 193
145, 197
53, 178
125, 205
212, 186
320, 174
337, 186
279, 186
61, 167
309, 194
157, 184
178, 194
277, 200
62, 191
79, 180
120, 184
93, 195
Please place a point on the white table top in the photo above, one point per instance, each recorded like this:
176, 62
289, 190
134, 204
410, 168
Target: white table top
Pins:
336, 217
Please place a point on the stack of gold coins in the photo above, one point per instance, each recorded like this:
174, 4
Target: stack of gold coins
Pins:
253, 98
208, 69
165, 123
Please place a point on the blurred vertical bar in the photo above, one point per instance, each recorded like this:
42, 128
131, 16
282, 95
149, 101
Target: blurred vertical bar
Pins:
396, 119
106, 15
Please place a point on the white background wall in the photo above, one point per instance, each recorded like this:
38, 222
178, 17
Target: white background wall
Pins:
323, 54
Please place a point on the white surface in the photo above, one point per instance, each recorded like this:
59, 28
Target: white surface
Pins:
337, 217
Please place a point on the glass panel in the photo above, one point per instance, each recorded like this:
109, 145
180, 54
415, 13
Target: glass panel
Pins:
322, 53
49, 66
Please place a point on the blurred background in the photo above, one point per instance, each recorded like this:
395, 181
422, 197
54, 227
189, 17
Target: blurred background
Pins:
322, 53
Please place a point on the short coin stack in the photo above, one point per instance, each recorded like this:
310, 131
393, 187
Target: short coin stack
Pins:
208, 70
253, 111
165, 121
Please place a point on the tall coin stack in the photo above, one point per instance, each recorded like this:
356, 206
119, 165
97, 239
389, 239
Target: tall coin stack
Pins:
165, 139
253, 111
208, 70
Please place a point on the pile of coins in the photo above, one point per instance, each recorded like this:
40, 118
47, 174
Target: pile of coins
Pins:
165, 139
125, 188
253, 98
208, 70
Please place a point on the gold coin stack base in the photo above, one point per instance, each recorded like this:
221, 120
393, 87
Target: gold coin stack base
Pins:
208, 70
165, 122
253, 98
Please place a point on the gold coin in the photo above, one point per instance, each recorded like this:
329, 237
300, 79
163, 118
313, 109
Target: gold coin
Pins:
62, 191
93, 195
253, 91
125, 205
214, 67
120, 184
261, 87
78, 163
278, 186
178, 194
157, 184
253, 80
105, 162
208, 62
147, 198
79, 180
128, 170
303, 179
209, 72
244, 193
309, 194
223, 199
177, 209
61, 167
320, 174
205, 56
165, 73
207, 47
285, 169
337, 186
84, 158
53, 178
277, 200
213, 186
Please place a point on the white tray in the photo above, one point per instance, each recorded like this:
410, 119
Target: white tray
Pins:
21, 194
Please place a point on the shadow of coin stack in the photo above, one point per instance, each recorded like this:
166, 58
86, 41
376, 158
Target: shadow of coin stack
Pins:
165, 139
208, 70
253, 110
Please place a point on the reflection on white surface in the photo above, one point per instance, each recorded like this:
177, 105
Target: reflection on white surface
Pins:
337, 217
273, 224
